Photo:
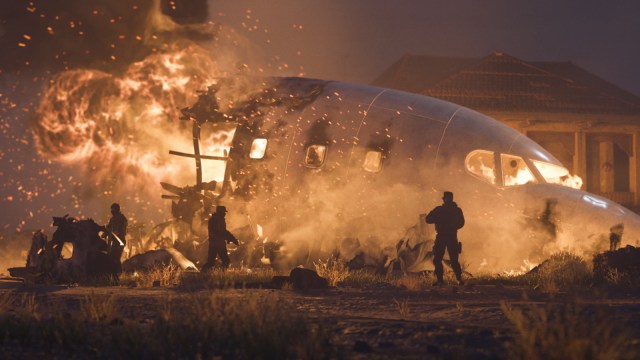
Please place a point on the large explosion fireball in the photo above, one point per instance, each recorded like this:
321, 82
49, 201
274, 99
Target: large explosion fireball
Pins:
103, 84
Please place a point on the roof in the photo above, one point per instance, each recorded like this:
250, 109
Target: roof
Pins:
501, 82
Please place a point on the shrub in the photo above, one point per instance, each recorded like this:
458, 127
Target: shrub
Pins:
562, 270
566, 331
332, 269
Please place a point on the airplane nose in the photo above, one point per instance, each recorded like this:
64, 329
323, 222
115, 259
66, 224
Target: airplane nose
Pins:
598, 215
582, 221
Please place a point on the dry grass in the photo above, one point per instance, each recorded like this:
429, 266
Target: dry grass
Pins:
360, 278
227, 324
410, 281
166, 275
6, 299
403, 307
230, 279
29, 305
333, 270
98, 308
614, 277
566, 331
561, 271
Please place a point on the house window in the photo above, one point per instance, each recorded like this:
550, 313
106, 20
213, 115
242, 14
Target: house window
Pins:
515, 171
315, 156
258, 148
372, 161
482, 164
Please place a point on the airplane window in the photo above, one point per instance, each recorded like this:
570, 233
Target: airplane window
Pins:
482, 164
258, 148
515, 171
372, 161
555, 174
315, 155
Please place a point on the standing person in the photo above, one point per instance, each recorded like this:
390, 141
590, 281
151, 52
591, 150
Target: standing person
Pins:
448, 218
118, 226
615, 236
218, 237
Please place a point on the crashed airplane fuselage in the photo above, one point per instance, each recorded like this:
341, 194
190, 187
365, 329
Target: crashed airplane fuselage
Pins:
314, 162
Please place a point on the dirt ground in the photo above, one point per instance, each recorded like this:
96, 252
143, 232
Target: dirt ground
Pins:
383, 321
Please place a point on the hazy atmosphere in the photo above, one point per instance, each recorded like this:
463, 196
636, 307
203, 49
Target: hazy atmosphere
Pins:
356, 40
197, 179
344, 40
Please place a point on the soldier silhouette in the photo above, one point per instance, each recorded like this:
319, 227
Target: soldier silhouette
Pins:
615, 236
118, 226
218, 237
448, 218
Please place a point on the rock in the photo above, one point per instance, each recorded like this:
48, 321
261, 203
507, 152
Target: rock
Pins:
387, 344
362, 347
433, 349
304, 279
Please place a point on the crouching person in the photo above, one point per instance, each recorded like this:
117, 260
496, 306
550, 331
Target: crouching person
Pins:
219, 236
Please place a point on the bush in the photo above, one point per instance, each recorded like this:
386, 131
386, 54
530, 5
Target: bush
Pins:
562, 270
333, 270
566, 331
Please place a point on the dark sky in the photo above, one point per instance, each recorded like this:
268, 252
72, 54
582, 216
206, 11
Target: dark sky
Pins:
355, 40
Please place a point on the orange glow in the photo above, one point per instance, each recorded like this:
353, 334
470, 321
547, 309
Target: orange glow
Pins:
258, 148
121, 122
515, 171
556, 174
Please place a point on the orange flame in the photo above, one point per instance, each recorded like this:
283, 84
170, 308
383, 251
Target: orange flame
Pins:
117, 126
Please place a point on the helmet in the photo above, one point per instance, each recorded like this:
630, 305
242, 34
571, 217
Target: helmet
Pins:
221, 209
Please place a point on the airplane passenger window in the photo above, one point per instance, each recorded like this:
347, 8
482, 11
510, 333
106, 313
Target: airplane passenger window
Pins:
481, 164
515, 171
372, 161
315, 155
258, 148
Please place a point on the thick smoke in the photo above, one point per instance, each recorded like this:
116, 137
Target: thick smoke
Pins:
317, 212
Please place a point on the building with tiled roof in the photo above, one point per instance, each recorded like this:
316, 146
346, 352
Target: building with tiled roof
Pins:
589, 124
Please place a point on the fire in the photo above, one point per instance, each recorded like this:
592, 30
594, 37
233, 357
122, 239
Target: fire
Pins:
117, 126
556, 174
258, 148
487, 172
522, 176
526, 266
215, 141
572, 181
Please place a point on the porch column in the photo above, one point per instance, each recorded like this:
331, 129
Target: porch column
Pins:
580, 156
606, 166
634, 168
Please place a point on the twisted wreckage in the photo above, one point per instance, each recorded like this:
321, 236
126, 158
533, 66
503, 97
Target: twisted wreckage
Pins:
310, 168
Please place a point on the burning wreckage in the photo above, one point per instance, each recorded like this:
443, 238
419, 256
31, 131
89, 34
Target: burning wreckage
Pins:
312, 168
